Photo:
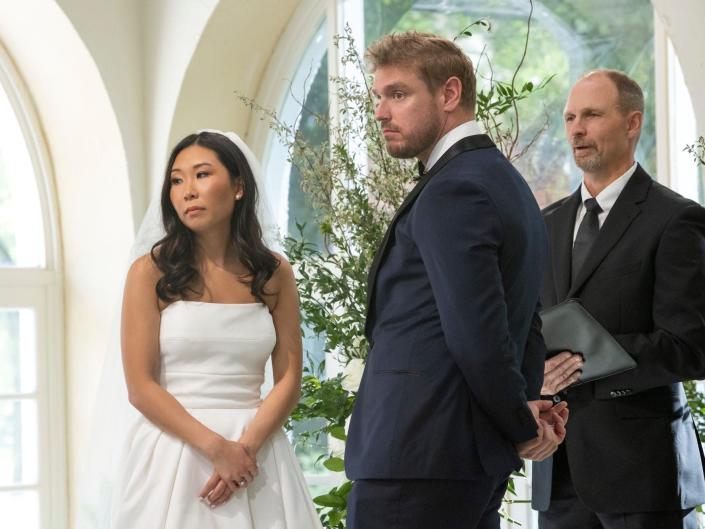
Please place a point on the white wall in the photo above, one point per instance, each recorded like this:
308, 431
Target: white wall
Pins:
142, 50
172, 31
684, 21
233, 55
112, 32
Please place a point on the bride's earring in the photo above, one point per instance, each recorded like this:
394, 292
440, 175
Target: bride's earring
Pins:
238, 196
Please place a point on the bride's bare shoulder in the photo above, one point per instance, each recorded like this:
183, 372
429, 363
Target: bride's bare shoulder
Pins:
283, 273
144, 270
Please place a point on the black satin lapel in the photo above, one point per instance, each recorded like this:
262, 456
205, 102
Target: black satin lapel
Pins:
372, 274
623, 213
562, 226
469, 143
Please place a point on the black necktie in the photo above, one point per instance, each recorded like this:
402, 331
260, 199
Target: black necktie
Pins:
587, 233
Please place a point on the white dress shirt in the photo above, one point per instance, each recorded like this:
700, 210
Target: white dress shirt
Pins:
605, 199
469, 128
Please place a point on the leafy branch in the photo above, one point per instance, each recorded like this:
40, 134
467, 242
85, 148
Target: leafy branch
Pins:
697, 150
497, 106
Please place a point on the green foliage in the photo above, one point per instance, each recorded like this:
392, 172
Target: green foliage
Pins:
334, 506
481, 23
696, 400
353, 196
326, 399
497, 104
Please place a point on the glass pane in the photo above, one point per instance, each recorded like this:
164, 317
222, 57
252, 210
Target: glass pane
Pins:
20, 509
313, 71
18, 442
301, 212
683, 129
21, 228
18, 353
316, 104
568, 38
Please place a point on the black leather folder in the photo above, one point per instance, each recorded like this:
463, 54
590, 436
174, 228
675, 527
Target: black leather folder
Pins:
568, 326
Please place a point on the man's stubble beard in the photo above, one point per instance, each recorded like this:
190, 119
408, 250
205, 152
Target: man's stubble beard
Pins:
589, 164
419, 141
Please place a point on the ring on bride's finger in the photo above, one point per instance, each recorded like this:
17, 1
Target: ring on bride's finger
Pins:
242, 482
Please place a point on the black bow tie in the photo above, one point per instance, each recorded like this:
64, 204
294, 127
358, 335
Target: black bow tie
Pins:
421, 169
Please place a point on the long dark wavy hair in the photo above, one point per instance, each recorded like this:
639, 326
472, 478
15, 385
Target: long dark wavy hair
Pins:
175, 253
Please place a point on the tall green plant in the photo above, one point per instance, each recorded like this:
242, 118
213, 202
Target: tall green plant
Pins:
355, 187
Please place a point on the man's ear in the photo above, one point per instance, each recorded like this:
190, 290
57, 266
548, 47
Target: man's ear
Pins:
452, 90
634, 121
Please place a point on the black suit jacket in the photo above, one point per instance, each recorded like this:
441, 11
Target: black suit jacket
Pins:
453, 298
631, 443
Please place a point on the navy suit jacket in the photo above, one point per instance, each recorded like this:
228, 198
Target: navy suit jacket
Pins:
456, 349
631, 443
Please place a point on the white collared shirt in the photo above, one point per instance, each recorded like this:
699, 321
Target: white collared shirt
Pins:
469, 128
605, 199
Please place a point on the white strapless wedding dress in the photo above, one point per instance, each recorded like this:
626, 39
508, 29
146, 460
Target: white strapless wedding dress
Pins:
212, 360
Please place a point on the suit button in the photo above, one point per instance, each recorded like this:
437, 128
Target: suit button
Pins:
627, 391
613, 394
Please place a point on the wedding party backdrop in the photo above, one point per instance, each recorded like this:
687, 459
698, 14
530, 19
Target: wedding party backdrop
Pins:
93, 94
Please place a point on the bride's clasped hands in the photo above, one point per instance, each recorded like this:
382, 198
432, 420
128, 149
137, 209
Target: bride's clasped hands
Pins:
234, 467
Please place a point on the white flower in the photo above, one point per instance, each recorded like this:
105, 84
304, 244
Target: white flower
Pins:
357, 341
352, 374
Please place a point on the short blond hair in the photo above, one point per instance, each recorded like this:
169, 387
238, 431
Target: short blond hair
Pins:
435, 60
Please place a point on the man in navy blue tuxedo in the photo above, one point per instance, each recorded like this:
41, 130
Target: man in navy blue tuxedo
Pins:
631, 457
449, 400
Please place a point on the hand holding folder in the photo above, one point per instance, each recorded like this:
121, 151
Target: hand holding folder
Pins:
569, 327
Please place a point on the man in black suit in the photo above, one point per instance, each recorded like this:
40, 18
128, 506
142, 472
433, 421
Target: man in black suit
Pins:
633, 252
449, 399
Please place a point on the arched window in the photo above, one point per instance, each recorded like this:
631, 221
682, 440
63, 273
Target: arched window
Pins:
309, 85
32, 444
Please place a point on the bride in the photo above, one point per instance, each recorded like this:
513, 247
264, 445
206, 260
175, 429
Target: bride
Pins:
202, 313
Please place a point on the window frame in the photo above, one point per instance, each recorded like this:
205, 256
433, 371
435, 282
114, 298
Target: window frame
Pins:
676, 168
40, 289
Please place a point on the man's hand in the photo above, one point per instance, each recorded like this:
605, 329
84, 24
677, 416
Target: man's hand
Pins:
557, 416
561, 371
551, 421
